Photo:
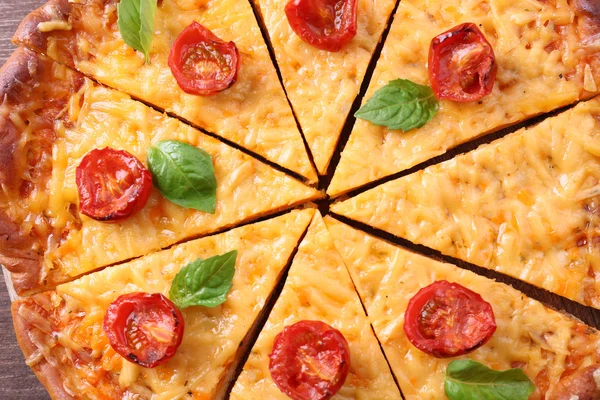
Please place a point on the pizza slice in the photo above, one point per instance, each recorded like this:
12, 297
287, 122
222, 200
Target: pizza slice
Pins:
438, 323
205, 61
318, 302
323, 61
68, 335
490, 63
525, 205
76, 194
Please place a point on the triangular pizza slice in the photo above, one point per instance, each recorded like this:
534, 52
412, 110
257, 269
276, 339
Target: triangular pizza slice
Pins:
68, 335
443, 328
543, 55
525, 205
206, 62
318, 292
53, 119
323, 83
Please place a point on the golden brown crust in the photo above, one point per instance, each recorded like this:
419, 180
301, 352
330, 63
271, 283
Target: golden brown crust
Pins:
47, 369
31, 94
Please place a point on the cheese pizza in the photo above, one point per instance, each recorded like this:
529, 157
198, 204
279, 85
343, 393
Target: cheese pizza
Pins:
318, 288
558, 354
322, 76
64, 334
250, 109
52, 118
542, 54
525, 205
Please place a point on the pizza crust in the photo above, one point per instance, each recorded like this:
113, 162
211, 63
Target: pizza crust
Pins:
33, 99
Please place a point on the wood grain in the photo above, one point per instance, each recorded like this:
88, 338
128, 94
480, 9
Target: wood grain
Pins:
17, 382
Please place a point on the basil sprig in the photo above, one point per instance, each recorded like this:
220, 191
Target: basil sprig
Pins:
204, 282
470, 380
184, 174
401, 104
136, 23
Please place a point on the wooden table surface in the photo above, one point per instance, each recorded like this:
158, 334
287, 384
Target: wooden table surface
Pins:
17, 382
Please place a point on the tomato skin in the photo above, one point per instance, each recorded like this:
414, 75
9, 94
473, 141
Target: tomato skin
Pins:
310, 360
446, 320
325, 24
462, 65
202, 63
112, 184
140, 318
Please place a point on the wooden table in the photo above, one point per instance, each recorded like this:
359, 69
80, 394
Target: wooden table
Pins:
17, 382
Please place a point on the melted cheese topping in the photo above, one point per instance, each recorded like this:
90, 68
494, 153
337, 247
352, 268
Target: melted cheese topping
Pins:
541, 66
101, 117
211, 336
525, 205
322, 85
253, 113
319, 288
543, 342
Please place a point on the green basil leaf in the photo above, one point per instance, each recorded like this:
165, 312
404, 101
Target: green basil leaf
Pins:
470, 380
136, 23
204, 282
401, 104
184, 174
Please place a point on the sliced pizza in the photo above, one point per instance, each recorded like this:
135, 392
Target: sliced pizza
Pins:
322, 50
320, 304
525, 205
205, 61
136, 331
442, 327
491, 63
76, 194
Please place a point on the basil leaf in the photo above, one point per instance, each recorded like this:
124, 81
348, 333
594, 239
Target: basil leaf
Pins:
136, 23
470, 380
184, 174
401, 104
204, 282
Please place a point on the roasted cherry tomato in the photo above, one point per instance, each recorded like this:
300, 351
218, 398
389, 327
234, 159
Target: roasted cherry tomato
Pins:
201, 63
446, 319
144, 328
325, 24
112, 184
462, 65
310, 361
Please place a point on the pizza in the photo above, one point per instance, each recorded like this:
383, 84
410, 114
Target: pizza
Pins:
318, 290
525, 205
322, 82
53, 118
546, 57
61, 331
163, 169
253, 113
424, 311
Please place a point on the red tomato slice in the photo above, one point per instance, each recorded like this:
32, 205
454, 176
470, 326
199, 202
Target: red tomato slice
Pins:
112, 184
462, 65
144, 328
325, 24
201, 63
310, 361
446, 319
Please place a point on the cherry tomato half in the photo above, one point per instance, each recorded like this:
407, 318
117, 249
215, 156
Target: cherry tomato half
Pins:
325, 24
462, 65
446, 319
310, 360
201, 63
144, 328
112, 184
